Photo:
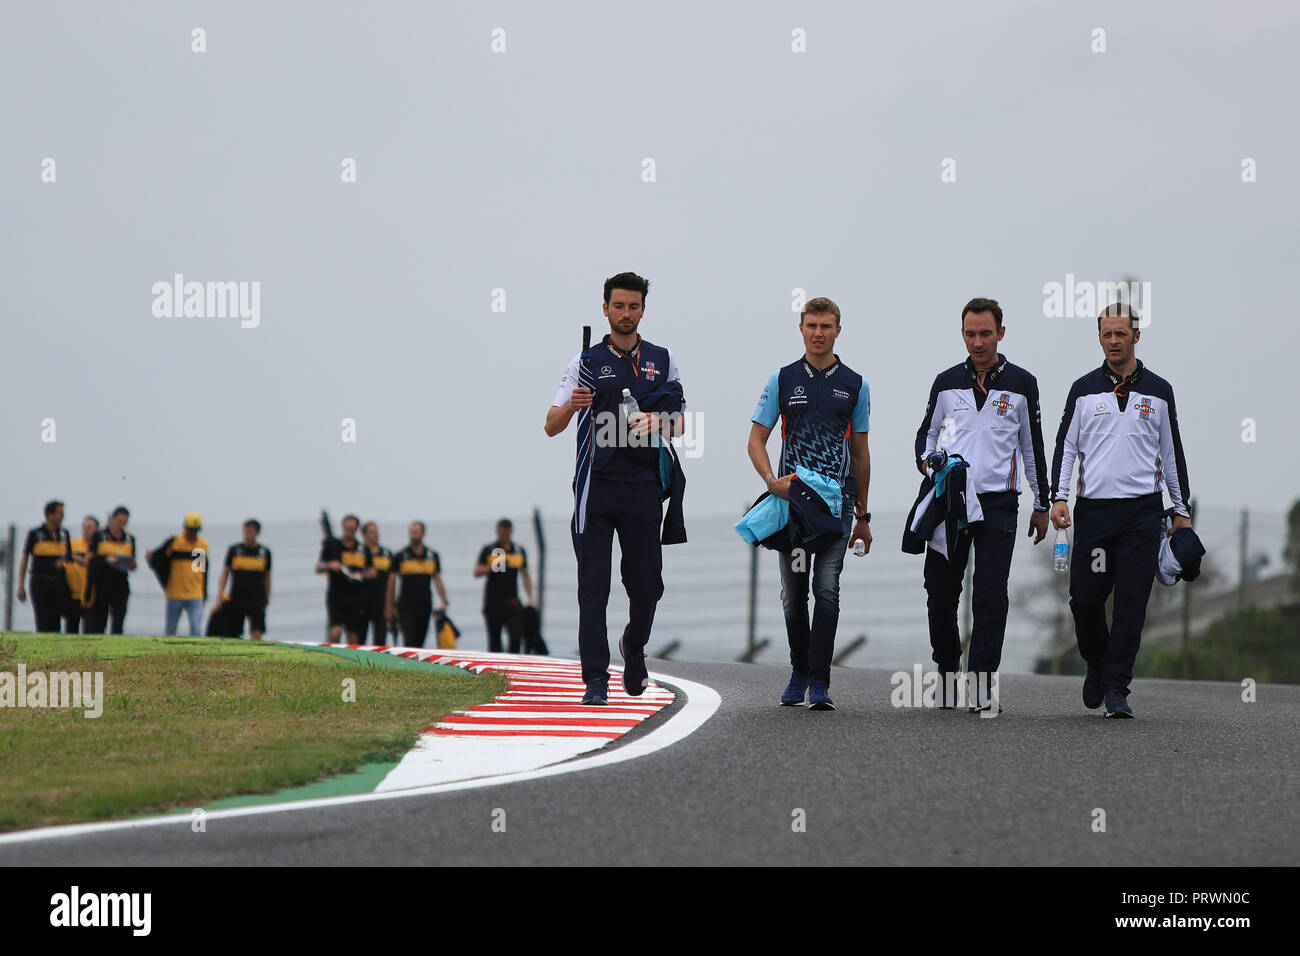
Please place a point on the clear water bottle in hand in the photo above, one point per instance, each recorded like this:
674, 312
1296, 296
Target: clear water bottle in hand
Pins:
1061, 551
628, 409
859, 548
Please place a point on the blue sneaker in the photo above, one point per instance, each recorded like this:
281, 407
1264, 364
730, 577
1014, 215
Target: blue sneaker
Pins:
1093, 695
635, 677
597, 694
795, 691
1116, 705
818, 698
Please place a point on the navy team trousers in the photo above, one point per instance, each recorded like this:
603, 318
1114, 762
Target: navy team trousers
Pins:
1116, 547
993, 541
633, 509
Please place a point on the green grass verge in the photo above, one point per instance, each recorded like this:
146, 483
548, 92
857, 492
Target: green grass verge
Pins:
191, 720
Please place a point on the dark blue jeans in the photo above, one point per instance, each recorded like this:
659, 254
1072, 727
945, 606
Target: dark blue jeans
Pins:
813, 644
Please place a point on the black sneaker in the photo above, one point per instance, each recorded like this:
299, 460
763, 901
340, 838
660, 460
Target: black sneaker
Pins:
597, 694
1093, 695
635, 677
1116, 705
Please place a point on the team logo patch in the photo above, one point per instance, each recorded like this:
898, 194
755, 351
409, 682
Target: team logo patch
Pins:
1145, 409
960, 405
840, 393
649, 370
1003, 405
798, 390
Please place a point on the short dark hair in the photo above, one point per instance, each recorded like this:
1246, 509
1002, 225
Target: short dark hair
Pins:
505, 522
421, 524
820, 306
369, 524
346, 518
1120, 310
983, 305
629, 281
52, 506
256, 525
120, 510
91, 518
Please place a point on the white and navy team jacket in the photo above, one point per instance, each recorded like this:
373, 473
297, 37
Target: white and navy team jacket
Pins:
1124, 434
996, 434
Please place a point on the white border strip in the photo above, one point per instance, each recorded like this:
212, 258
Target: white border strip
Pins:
701, 703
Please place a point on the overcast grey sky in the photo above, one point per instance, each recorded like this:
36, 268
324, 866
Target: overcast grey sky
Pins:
522, 170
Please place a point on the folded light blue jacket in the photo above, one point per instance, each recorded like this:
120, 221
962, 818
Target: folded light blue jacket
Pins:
772, 513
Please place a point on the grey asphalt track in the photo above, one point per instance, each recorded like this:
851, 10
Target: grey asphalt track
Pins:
1200, 778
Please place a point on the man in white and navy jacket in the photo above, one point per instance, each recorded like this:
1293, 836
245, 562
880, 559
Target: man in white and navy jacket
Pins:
1121, 427
987, 411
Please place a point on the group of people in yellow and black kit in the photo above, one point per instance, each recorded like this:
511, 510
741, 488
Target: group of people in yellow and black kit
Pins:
79, 582
83, 583
181, 565
372, 588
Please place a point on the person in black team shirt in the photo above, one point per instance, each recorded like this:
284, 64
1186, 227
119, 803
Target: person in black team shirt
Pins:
248, 565
345, 559
112, 558
616, 483
502, 562
418, 568
381, 560
49, 547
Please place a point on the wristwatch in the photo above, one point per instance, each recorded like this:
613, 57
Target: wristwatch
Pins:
768, 479
865, 516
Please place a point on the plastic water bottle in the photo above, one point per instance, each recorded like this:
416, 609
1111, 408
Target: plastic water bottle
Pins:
859, 548
1061, 551
628, 407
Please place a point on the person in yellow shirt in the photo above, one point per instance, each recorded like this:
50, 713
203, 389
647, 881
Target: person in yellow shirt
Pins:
187, 574
78, 607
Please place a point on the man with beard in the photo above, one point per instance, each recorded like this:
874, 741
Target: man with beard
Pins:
617, 481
